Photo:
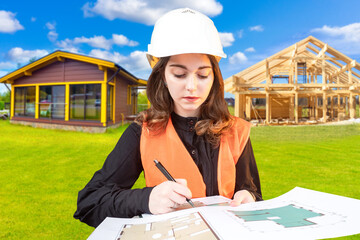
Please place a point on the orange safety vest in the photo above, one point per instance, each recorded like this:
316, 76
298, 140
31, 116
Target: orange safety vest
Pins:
168, 149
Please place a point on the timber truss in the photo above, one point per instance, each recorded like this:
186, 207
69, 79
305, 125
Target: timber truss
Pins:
324, 79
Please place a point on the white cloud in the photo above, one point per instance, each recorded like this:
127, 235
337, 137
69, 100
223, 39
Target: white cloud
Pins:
346, 38
7, 65
33, 19
240, 33
146, 11
96, 42
257, 28
114, 57
3, 73
227, 39
349, 32
8, 22
67, 45
52, 35
238, 58
51, 26
20, 55
123, 40
250, 49
135, 63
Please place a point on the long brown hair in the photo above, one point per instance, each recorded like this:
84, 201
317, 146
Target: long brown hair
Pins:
214, 114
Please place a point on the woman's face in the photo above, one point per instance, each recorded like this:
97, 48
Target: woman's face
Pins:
189, 78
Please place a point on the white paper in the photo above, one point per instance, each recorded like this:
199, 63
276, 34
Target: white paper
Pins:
298, 214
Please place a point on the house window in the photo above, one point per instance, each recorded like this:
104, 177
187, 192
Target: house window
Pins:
110, 99
52, 102
85, 102
25, 101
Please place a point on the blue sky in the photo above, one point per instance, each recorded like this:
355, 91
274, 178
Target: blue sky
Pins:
120, 30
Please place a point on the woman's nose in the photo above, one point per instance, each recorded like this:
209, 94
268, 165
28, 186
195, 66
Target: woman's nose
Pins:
191, 83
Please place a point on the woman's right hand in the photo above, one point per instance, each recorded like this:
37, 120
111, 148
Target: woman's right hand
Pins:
168, 195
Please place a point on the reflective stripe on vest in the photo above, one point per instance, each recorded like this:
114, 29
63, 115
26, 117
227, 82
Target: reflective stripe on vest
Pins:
168, 149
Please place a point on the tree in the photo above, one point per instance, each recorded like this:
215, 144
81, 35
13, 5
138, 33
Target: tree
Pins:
33, 59
5, 96
142, 98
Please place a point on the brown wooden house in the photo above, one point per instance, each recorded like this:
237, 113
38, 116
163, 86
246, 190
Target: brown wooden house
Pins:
73, 91
307, 82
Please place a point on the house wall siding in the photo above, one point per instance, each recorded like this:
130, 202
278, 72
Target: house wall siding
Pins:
67, 71
121, 99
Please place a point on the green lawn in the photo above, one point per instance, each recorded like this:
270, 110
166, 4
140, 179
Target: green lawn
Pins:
42, 171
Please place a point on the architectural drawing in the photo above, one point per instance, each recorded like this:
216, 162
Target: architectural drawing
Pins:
190, 226
298, 214
287, 216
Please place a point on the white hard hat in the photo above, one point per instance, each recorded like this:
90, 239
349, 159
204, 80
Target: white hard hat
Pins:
184, 31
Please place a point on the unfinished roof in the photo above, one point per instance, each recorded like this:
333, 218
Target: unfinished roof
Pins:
318, 57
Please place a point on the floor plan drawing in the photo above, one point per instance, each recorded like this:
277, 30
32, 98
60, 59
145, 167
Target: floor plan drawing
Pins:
287, 216
190, 226
298, 214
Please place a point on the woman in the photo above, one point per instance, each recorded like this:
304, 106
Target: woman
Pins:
188, 129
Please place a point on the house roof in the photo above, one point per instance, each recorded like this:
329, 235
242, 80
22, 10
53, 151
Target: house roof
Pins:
60, 56
310, 51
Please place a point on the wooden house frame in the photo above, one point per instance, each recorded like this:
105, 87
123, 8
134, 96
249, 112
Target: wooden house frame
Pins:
303, 66
65, 89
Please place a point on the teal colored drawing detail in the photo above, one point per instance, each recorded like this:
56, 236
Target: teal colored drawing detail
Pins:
287, 216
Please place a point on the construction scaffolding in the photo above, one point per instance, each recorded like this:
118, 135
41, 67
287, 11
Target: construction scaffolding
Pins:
307, 82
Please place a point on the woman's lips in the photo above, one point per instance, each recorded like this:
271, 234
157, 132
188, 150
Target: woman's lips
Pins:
191, 99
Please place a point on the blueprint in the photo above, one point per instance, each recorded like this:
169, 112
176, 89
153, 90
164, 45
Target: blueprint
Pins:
298, 214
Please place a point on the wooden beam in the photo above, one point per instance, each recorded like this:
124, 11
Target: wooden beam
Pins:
351, 106
320, 55
248, 107
332, 107
314, 99
291, 107
296, 73
316, 108
267, 108
344, 68
28, 73
341, 56
239, 105
101, 68
275, 56
322, 52
350, 76
267, 74
301, 92
324, 106
296, 107
60, 59
301, 85
323, 72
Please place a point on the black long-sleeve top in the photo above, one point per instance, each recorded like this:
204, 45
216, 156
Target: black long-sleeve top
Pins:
109, 193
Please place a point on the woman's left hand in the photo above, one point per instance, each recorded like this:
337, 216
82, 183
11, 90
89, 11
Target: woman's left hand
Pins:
242, 196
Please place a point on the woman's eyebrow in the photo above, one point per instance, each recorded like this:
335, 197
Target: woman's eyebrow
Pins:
184, 67
178, 65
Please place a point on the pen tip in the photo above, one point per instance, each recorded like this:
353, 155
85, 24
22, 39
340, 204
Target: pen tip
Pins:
156, 161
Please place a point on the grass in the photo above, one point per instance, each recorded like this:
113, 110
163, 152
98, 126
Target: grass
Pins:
43, 170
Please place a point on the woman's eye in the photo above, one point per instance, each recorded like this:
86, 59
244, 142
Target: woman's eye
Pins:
202, 76
180, 75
